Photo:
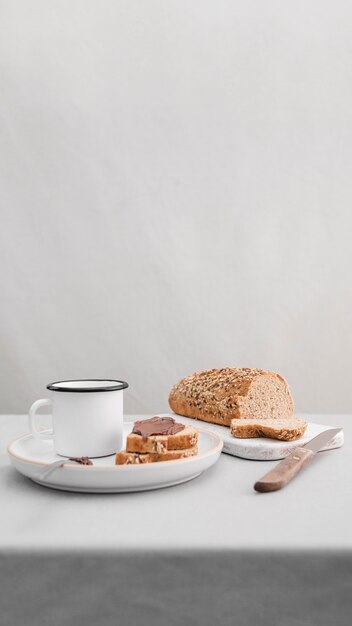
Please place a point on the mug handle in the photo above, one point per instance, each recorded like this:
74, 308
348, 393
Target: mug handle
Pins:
31, 419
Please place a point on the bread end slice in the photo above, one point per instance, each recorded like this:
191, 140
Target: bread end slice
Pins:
283, 429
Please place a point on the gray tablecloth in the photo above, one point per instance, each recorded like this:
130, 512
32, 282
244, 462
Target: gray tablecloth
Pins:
209, 551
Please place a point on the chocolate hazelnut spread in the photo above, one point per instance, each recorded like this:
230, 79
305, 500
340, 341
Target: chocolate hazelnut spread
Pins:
157, 426
82, 460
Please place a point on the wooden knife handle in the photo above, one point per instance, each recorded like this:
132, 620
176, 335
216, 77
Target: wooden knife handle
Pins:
284, 471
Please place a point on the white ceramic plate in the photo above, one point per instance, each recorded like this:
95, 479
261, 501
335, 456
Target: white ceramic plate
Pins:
31, 456
264, 449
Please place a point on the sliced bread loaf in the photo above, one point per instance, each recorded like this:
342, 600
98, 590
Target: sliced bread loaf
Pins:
221, 395
286, 430
186, 438
135, 458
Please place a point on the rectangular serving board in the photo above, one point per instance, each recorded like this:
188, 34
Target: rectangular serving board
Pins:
262, 448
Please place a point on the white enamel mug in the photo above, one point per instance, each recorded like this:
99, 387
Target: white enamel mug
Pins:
87, 417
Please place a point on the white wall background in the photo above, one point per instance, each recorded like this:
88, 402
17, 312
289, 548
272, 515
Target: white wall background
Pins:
176, 194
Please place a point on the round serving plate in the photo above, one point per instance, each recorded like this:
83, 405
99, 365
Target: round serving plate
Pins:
31, 457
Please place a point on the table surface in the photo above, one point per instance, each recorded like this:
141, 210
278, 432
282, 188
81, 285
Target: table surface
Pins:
218, 510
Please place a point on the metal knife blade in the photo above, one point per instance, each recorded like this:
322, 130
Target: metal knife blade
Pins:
284, 471
318, 442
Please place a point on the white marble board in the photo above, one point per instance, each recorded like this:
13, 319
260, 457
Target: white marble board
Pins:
263, 449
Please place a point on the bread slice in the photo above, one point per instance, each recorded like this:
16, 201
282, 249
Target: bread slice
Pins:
134, 458
186, 438
286, 430
221, 395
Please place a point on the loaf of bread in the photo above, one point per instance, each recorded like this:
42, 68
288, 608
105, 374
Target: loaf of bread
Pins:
286, 430
135, 458
221, 395
186, 438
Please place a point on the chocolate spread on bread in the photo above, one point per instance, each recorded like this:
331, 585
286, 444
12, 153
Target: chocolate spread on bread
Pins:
157, 426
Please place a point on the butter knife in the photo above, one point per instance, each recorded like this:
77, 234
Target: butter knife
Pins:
287, 469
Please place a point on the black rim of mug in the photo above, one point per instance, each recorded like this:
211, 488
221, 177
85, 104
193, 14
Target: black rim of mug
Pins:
119, 384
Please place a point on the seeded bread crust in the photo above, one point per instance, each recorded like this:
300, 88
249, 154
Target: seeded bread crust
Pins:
186, 438
221, 395
286, 430
134, 458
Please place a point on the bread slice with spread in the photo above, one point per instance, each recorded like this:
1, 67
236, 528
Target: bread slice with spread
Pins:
158, 439
183, 439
